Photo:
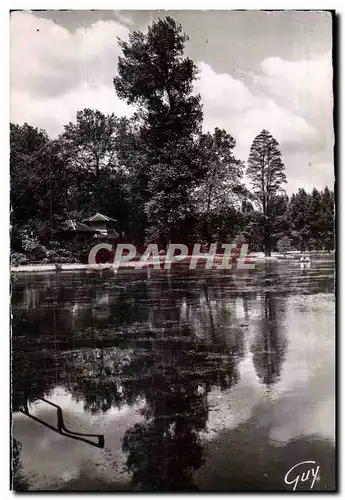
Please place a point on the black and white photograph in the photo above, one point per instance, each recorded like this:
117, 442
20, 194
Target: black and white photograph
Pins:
172, 251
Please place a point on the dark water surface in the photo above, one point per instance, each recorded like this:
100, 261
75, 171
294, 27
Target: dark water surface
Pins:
198, 380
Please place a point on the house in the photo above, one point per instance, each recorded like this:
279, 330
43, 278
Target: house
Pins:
103, 226
72, 229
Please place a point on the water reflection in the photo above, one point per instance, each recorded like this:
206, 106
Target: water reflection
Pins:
174, 378
162, 344
17, 480
270, 344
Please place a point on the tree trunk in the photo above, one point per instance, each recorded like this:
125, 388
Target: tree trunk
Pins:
267, 241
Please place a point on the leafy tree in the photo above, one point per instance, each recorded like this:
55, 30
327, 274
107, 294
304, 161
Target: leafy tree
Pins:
327, 218
40, 181
90, 143
315, 219
280, 220
266, 172
298, 214
90, 147
216, 194
284, 245
134, 170
154, 76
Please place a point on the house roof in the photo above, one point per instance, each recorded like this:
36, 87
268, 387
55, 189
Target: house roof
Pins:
99, 218
71, 225
109, 235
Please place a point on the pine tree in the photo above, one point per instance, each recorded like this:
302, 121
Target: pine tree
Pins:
266, 172
327, 219
315, 220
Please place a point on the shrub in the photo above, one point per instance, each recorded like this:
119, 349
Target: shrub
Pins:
18, 259
284, 245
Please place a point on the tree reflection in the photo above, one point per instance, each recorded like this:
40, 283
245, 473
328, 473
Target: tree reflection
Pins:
32, 377
165, 450
167, 343
19, 483
269, 347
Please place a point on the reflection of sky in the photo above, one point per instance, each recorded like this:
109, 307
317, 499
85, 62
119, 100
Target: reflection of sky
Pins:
307, 380
51, 459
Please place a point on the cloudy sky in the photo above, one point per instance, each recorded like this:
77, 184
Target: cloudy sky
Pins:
257, 70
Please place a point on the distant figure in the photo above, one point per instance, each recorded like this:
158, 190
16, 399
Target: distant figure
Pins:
305, 262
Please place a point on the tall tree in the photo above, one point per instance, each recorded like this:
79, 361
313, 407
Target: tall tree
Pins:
89, 146
40, 180
156, 77
90, 142
266, 172
130, 150
217, 195
315, 219
299, 218
327, 218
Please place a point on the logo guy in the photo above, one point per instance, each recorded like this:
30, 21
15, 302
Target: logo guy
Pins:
292, 478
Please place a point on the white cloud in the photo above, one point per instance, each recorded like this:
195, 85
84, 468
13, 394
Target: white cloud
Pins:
54, 112
54, 72
306, 84
302, 133
47, 58
230, 104
220, 90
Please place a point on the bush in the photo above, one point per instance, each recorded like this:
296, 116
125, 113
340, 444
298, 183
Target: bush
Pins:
30, 241
54, 245
18, 259
284, 245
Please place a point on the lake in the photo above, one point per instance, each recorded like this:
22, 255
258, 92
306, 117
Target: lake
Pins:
194, 379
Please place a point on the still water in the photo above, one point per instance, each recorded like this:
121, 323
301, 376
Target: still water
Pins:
196, 380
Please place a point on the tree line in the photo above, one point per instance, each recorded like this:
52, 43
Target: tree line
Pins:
158, 173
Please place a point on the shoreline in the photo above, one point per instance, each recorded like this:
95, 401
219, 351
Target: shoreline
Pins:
137, 264
125, 265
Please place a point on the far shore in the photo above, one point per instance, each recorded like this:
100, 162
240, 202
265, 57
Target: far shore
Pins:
254, 258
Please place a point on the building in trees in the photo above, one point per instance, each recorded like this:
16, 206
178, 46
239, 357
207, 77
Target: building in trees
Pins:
103, 226
74, 230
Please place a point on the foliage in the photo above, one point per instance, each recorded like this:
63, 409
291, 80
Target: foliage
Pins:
30, 241
19, 483
18, 259
284, 245
155, 76
90, 142
40, 180
216, 193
